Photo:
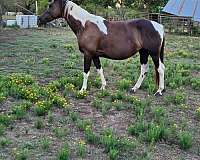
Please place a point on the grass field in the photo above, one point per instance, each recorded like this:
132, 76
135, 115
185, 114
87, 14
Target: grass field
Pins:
44, 117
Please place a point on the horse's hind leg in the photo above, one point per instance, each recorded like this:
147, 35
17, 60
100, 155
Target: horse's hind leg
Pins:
87, 65
160, 70
144, 54
97, 64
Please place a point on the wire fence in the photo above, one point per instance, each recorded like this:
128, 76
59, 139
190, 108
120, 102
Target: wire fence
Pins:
172, 24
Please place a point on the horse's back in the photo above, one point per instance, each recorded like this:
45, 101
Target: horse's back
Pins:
151, 33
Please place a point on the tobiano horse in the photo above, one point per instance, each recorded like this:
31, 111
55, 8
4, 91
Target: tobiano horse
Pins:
116, 40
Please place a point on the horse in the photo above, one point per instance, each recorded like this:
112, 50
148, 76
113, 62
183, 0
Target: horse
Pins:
116, 40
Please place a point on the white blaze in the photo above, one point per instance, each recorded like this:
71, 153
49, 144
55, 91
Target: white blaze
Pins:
158, 27
83, 16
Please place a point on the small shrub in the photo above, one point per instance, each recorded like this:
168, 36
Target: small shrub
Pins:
45, 61
42, 107
119, 95
45, 143
156, 132
90, 136
195, 82
50, 117
81, 95
81, 148
39, 123
185, 140
119, 105
159, 113
70, 48
22, 154
113, 154
83, 124
97, 103
59, 100
60, 132
4, 141
103, 93
109, 140
2, 97
20, 110
137, 128
74, 116
198, 112
5, 119
124, 84
178, 98
2, 129
21, 79
64, 153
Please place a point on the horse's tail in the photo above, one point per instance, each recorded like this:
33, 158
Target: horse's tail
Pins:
162, 60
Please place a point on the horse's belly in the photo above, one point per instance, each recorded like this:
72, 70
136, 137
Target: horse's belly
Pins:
118, 50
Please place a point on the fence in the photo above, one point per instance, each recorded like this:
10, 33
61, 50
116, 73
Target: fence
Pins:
173, 24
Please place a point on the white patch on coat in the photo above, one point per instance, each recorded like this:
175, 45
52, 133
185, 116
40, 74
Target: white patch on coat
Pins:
85, 79
83, 16
161, 71
159, 27
103, 81
144, 70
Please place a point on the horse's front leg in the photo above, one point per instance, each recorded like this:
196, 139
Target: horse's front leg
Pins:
97, 64
86, 73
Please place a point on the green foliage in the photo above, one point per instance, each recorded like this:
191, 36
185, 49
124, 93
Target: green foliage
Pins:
178, 98
81, 149
60, 132
42, 107
42, 5
2, 129
4, 142
195, 82
64, 153
22, 154
5, 119
137, 128
45, 143
185, 140
113, 154
124, 84
39, 123
156, 132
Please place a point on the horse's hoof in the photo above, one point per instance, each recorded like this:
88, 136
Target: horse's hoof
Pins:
158, 94
103, 88
82, 90
132, 90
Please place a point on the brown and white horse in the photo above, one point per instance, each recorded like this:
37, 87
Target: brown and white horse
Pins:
119, 40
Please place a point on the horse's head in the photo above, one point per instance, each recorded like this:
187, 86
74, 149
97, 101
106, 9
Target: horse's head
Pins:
55, 10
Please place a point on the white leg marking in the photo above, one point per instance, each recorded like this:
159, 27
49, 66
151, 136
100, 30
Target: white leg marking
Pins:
103, 81
85, 79
144, 69
161, 71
